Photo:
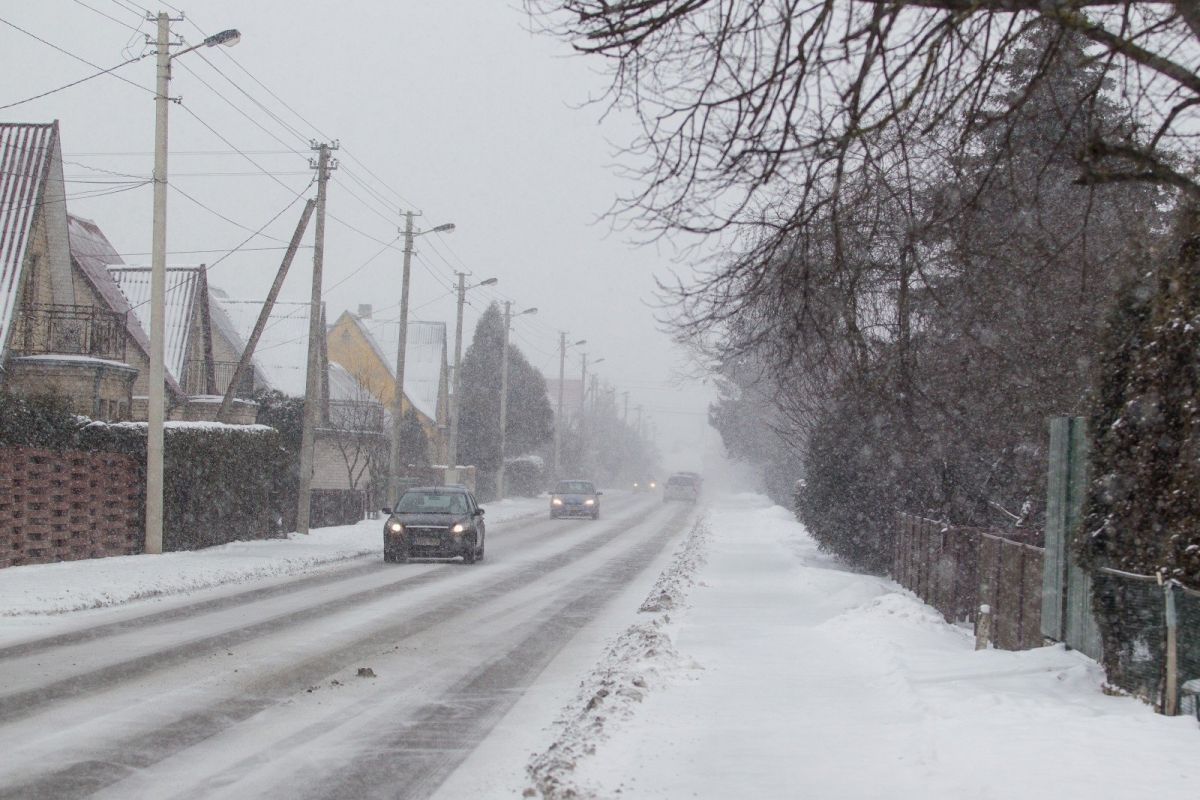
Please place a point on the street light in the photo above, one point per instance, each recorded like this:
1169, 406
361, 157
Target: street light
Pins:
508, 315
402, 345
155, 401
560, 421
583, 406
456, 400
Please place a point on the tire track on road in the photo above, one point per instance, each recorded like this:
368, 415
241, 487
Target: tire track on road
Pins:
125, 756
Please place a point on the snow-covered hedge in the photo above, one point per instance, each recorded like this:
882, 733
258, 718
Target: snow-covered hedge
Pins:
222, 483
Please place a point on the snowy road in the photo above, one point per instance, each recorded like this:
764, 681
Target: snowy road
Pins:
257, 692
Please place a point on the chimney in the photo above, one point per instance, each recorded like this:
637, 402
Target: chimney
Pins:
364, 310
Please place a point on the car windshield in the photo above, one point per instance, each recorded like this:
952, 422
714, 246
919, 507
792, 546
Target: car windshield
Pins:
682, 480
575, 487
432, 503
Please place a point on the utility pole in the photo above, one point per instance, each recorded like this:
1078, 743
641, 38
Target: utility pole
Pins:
394, 461
316, 332
503, 398
625, 413
155, 410
639, 425
456, 401
244, 362
558, 418
452, 475
508, 315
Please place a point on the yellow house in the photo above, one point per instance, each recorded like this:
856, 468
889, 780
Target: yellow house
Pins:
367, 346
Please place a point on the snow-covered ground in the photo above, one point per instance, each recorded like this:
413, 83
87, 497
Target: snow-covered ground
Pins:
760, 667
744, 664
96, 583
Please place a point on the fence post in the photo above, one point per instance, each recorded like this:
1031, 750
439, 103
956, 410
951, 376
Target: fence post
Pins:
1171, 693
983, 628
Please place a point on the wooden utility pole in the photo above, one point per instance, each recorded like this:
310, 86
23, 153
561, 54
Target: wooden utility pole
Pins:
316, 330
248, 355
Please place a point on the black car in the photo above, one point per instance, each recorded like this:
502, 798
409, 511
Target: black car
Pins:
575, 499
434, 522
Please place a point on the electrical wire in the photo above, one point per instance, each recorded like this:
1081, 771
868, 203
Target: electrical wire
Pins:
74, 56
105, 15
85, 79
233, 222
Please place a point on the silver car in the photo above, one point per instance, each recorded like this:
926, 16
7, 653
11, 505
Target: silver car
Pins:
682, 486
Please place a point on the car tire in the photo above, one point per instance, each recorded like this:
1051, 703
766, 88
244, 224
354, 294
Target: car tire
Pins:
595, 515
479, 555
469, 554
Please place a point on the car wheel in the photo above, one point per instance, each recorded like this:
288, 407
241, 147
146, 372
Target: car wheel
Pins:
595, 515
469, 554
479, 555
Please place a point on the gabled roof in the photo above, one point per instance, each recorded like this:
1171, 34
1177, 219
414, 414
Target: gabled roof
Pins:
93, 255
223, 324
184, 289
281, 357
26, 153
424, 359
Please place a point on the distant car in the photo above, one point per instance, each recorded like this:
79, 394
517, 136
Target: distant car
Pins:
434, 522
682, 486
645, 485
575, 498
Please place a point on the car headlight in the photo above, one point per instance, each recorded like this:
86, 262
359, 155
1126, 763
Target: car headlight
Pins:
589, 502
458, 528
395, 527
557, 501
653, 484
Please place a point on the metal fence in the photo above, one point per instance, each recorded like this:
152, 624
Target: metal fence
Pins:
1151, 635
45, 328
958, 570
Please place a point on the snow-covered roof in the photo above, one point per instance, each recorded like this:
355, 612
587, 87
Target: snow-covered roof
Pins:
222, 324
26, 151
94, 254
184, 286
281, 357
424, 360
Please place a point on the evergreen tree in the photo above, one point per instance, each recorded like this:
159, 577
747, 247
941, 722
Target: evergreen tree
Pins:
530, 418
1144, 498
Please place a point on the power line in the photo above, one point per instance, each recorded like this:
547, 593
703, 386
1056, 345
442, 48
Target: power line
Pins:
234, 222
105, 15
69, 85
74, 56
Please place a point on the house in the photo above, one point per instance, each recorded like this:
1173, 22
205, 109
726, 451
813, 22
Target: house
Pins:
367, 346
353, 427
190, 350
61, 332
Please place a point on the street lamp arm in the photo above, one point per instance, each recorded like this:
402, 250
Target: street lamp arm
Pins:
228, 38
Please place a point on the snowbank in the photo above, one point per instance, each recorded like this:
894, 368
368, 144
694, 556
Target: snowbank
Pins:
96, 583
781, 674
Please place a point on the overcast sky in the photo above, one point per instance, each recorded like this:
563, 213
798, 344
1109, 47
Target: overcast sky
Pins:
451, 108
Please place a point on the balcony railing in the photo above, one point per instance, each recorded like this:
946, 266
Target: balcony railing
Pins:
45, 329
195, 378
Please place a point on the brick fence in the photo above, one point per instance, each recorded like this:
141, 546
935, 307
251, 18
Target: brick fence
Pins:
68, 505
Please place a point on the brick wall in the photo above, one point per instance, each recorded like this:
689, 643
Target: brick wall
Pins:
65, 506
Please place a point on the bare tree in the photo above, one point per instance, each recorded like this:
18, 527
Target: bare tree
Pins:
357, 429
747, 103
